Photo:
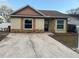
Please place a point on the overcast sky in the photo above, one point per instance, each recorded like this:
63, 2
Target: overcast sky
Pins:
59, 5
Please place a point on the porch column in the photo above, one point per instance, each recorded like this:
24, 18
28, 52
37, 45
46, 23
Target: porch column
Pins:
33, 25
22, 24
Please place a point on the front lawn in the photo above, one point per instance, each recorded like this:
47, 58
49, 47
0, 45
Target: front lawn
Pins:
68, 39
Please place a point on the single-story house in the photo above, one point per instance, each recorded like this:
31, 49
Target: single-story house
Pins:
28, 19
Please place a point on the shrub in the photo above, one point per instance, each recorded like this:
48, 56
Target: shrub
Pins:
71, 28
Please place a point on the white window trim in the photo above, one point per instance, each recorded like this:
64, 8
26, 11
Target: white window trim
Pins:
57, 24
60, 30
24, 24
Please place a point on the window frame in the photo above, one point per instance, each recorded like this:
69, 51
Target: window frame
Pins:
60, 24
24, 23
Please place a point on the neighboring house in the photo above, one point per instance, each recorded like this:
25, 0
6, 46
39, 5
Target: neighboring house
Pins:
29, 19
74, 19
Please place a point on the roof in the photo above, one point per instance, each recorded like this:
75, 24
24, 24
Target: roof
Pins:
52, 13
26, 7
44, 13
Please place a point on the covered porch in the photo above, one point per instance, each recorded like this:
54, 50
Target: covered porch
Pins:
49, 25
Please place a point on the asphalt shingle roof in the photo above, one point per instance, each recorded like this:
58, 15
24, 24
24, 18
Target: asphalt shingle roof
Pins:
44, 13
52, 13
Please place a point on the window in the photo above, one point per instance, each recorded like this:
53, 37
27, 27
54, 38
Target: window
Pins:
60, 24
28, 23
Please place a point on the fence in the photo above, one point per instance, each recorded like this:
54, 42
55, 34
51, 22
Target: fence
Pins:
78, 35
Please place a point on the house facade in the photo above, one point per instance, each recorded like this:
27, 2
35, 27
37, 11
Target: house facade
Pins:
28, 19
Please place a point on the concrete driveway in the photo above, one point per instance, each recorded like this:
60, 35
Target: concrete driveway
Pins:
33, 46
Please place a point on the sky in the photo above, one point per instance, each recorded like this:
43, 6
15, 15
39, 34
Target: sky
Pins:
59, 5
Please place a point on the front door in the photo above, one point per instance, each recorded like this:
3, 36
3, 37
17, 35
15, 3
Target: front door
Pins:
46, 25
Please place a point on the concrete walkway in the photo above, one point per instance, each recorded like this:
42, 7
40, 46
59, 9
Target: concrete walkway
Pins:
33, 46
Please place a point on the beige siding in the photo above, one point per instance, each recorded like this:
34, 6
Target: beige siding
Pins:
29, 12
15, 23
39, 24
61, 30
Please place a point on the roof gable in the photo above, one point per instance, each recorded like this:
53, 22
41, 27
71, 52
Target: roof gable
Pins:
28, 11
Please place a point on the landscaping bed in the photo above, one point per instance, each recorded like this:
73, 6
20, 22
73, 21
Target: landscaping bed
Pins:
68, 39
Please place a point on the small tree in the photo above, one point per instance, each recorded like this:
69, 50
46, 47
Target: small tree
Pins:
6, 11
73, 11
